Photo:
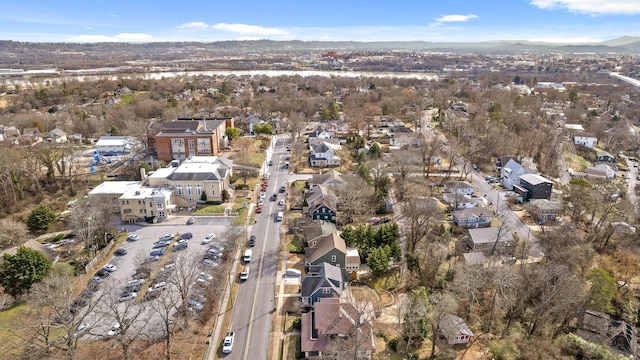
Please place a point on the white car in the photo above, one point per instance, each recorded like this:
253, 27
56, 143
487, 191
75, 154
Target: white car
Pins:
82, 327
209, 262
110, 267
261, 201
208, 238
128, 296
115, 330
281, 202
135, 282
158, 286
227, 344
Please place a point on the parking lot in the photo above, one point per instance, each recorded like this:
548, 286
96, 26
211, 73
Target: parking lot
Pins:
113, 287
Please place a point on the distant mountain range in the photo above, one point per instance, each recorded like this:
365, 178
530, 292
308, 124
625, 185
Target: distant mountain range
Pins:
14, 53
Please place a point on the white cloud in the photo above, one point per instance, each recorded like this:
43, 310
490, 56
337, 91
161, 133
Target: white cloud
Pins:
123, 37
455, 18
196, 25
249, 29
593, 7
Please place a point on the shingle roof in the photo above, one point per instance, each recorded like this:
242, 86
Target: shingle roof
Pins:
328, 276
452, 326
326, 244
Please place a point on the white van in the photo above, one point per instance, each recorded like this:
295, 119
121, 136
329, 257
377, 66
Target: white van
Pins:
247, 255
280, 216
244, 274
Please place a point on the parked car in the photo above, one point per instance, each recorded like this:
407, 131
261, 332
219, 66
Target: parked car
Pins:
166, 237
194, 305
115, 330
259, 209
208, 238
209, 262
110, 268
161, 244
263, 195
227, 344
191, 220
133, 237
157, 252
252, 240
281, 202
270, 162
186, 235
180, 246
120, 252
261, 202
127, 296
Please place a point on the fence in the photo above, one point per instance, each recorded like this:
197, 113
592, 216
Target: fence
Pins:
99, 256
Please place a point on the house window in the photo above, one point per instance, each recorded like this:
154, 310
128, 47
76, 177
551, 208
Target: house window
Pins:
159, 206
334, 258
189, 190
178, 189
326, 291
198, 189
141, 211
191, 143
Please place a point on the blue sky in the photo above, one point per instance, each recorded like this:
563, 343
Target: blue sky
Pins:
327, 20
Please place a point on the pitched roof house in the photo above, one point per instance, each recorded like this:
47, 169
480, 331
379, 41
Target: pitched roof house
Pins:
601, 171
454, 329
325, 154
321, 204
331, 249
331, 321
331, 177
56, 135
473, 217
484, 239
585, 139
599, 328
322, 281
510, 173
460, 187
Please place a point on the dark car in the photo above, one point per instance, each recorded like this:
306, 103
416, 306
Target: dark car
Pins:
191, 220
156, 253
187, 235
270, 162
252, 240
120, 252
102, 273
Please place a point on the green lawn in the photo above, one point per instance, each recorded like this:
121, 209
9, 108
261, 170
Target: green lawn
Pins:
576, 162
12, 319
212, 209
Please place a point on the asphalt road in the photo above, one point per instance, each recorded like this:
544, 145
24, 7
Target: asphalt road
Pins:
513, 223
254, 302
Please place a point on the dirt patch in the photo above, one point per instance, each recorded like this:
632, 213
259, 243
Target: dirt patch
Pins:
291, 289
389, 314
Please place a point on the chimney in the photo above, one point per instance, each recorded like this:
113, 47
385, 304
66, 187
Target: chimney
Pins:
143, 174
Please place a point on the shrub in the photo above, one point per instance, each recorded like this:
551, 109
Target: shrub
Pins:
297, 323
393, 344
40, 218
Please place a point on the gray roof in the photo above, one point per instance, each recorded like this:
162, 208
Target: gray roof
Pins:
546, 204
534, 179
328, 276
489, 235
474, 258
479, 212
212, 176
452, 326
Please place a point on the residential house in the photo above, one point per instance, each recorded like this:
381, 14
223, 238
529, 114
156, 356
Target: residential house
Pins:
544, 210
321, 204
603, 156
320, 134
484, 239
197, 178
337, 126
510, 173
313, 141
57, 136
314, 230
473, 218
138, 204
109, 192
331, 249
601, 171
459, 201
255, 121
332, 320
454, 329
599, 328
191, 137
459, 187
322, 281
331, 177
325, 154
503, 160
117, 144
401, 140
585, 139
533, 186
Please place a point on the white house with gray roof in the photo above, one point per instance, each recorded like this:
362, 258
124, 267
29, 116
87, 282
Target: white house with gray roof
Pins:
325, 154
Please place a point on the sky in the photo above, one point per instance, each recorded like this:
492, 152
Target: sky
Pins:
89, 21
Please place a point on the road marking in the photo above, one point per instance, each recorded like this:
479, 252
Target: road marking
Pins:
255, 294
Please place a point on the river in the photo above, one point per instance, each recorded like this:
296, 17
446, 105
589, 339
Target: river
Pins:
42, 80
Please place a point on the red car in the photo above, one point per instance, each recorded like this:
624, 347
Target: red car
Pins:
265, 183
259, 209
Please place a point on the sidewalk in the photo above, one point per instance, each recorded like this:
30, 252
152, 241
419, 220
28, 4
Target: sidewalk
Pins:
278, 330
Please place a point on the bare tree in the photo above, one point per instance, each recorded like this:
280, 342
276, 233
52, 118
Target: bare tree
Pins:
12, 233
356, 200
420, 214
128, 317
442, 304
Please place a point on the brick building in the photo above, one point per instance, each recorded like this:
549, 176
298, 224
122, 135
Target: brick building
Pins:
185, 137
